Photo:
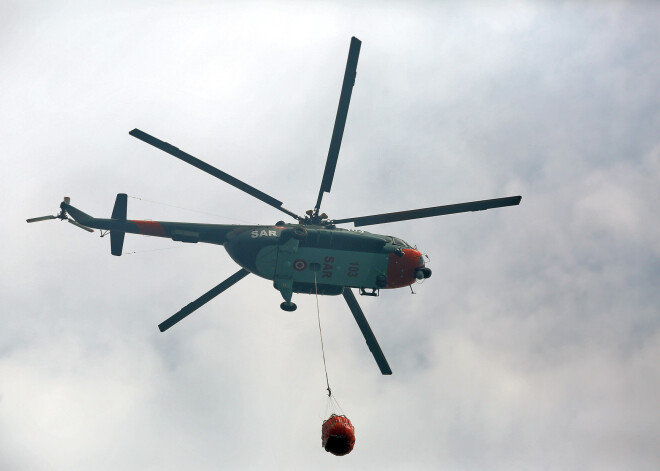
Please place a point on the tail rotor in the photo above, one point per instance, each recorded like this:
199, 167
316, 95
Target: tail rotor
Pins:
62, 216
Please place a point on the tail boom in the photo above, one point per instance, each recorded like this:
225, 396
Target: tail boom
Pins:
178, 231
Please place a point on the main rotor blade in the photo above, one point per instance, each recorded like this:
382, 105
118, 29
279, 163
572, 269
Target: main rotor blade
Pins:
340, 120
225, 177
369, 336
203, 299
429, 212
42, 218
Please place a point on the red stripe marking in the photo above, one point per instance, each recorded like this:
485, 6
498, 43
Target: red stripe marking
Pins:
151, 228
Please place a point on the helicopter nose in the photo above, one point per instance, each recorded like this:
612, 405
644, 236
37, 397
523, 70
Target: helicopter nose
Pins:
401, 268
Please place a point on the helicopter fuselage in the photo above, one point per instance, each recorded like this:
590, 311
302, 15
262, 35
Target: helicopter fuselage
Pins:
324, 260
310, 259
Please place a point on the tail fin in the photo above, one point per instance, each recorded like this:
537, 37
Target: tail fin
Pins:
118, 213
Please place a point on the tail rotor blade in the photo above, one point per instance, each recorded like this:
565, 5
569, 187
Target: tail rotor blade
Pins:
369, 336
203, 299
42, 218
77, 224
63, 215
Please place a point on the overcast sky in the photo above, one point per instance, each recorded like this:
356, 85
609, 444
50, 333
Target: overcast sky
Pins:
535, 345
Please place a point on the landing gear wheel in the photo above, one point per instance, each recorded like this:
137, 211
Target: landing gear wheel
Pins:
288, 306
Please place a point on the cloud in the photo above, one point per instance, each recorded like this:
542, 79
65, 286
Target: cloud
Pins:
533, 344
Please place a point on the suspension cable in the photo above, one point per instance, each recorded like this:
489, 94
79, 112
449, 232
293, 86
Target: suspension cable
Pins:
318, 316
154, 250
188, 209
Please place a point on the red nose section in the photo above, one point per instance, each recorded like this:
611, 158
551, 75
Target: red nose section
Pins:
401, 270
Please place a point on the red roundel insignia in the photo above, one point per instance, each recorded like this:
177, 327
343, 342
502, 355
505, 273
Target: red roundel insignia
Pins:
299, 265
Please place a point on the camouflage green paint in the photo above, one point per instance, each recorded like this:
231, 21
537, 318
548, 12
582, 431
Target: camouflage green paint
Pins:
289, 254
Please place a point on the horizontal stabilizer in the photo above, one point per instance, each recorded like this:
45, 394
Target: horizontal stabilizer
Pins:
119, 211
116, 242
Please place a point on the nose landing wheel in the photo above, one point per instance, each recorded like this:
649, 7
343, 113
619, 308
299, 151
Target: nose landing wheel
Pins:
288, 306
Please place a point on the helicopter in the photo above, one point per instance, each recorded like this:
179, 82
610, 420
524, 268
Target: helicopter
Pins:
310, 256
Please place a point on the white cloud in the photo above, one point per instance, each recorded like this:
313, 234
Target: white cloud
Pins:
533, 344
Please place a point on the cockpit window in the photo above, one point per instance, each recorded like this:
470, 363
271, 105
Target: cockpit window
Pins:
401, 242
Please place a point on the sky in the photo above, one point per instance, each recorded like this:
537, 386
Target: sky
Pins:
535, 344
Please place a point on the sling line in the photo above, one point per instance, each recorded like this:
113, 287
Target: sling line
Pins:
318, 316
